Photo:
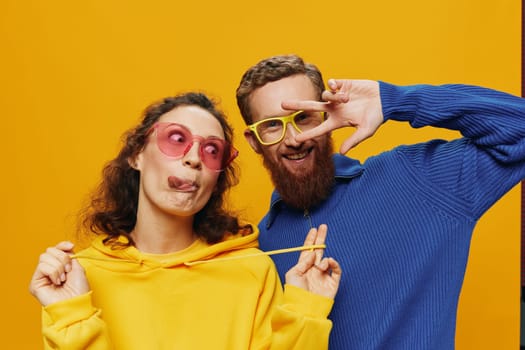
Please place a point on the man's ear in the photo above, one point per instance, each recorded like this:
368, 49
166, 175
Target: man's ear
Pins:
252, 140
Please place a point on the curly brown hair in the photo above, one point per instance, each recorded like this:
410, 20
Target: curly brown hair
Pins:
272, 69
112, 207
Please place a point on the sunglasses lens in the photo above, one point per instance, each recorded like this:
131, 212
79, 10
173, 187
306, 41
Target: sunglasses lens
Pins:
213, 153
270, 130
308, 120
173, 140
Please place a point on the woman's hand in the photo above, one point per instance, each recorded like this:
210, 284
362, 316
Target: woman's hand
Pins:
313, 272
58, 277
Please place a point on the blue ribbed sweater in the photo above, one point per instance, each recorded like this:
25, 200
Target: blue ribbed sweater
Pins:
400, 224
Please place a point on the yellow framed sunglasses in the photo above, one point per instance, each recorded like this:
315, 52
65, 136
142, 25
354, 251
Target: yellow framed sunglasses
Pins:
271, 130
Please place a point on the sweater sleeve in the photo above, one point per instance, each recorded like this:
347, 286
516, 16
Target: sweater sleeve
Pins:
74, 324
487, 161
300, 321
295, 319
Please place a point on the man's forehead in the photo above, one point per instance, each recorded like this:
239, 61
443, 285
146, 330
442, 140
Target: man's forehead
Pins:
265, 102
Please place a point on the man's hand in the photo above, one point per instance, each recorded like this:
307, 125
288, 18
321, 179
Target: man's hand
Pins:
348, 103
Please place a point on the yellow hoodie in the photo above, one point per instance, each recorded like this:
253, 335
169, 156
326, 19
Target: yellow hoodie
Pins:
203, 297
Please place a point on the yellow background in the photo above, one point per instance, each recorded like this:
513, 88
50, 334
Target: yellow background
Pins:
75, 75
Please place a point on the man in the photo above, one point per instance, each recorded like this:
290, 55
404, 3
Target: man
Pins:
400, 223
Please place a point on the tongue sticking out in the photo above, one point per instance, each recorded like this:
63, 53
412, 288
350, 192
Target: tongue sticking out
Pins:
181, 184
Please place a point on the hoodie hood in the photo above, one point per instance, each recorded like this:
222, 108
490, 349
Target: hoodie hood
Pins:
130, 258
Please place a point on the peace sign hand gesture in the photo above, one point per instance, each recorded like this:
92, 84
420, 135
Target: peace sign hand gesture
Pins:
313, 272
348, 103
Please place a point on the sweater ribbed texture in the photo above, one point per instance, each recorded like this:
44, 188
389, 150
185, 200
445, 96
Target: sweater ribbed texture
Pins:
400, 224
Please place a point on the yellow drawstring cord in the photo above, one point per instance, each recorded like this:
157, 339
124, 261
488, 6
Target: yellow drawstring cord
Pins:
197, 262
271, 252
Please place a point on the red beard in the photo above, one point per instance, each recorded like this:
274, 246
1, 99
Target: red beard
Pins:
305, 190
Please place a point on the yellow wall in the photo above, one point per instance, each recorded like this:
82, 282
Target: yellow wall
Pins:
74, 75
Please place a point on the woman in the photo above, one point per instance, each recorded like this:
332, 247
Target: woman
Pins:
170, 267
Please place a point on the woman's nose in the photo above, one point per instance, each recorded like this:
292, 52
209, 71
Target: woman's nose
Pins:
191, 156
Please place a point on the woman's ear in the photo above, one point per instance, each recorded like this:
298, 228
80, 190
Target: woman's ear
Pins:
135, 161
252, 140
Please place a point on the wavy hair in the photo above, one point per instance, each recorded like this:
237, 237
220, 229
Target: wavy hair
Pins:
112, 206
272, 69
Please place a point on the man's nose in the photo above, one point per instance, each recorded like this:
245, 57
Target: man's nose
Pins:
289, 136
